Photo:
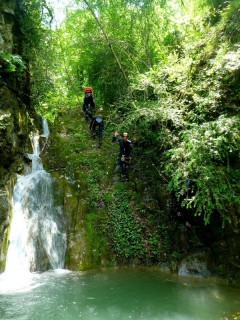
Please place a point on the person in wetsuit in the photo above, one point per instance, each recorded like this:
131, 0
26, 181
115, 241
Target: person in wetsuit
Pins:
88, 103
96, 127
125, 149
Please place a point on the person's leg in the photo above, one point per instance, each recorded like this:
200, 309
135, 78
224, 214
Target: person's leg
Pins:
86, 109
122, 167
126, 171
89, 111
92, 108
94, 130
100, 134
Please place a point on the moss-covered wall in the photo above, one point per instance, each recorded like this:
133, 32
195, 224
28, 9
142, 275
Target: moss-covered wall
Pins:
72, 160
7, 13
110, 222
16, 121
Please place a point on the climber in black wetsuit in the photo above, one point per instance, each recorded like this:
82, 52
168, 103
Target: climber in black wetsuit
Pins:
88, 103
96, 127
125, 149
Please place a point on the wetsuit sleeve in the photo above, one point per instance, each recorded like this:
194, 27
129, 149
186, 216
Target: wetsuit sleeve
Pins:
114, 139
130, 147
91, 124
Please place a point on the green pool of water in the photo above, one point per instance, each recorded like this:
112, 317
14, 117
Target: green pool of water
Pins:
115, 294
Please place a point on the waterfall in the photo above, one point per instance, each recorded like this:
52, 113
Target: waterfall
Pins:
37, 241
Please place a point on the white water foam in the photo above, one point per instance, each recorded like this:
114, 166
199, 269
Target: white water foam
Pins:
37, 240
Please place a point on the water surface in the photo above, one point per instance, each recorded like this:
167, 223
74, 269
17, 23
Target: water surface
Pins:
116, 294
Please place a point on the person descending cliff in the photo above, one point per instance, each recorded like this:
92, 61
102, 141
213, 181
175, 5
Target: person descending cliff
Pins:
125, 149
88, 103
97, 127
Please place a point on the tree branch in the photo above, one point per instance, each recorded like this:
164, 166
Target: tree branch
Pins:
108, 41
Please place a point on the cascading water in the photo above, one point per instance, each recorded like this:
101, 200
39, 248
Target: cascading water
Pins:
37, 240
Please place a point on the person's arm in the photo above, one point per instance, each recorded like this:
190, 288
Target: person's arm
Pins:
132, 144
91, 124
115, 137
134, 138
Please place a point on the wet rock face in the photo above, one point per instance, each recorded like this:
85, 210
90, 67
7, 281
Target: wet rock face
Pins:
15, 121
15, 126
4, 224
8, 141
7, 8
8, 102
195, 265
8, 136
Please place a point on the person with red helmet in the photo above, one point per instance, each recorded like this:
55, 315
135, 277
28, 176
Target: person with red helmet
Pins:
88, 103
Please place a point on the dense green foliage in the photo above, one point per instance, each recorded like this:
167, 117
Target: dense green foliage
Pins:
168, 71
172, 72
196, 119
125, 232
11, 63
33, 20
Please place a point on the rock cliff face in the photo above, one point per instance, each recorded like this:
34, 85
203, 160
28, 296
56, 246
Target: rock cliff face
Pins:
7, 9
16, 119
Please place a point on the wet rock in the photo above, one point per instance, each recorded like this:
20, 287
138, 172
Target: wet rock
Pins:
195, 264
